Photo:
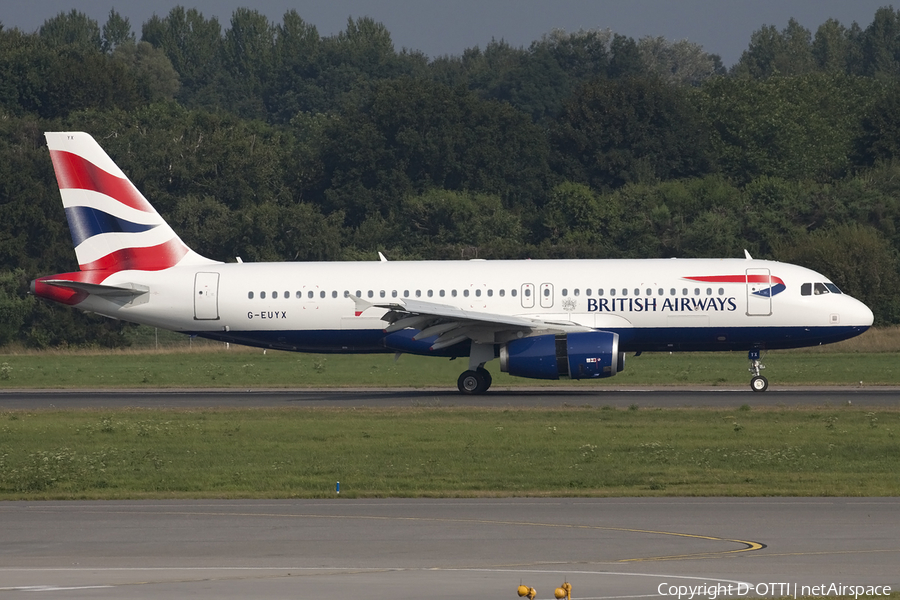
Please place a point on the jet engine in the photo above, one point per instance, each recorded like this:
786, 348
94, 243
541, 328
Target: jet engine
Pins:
582, 355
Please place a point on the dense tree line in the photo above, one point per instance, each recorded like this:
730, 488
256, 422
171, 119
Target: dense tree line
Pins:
269, 141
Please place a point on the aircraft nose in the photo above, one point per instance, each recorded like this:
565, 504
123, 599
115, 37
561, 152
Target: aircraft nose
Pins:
860, 314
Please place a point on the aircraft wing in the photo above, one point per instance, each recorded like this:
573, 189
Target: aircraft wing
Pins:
453, 325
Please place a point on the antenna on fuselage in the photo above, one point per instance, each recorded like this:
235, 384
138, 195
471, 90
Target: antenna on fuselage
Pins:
747, 255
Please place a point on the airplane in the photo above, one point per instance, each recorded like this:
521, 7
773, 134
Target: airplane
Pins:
544, 319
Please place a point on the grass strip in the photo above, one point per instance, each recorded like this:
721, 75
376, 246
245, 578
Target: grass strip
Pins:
248, 368
448, 452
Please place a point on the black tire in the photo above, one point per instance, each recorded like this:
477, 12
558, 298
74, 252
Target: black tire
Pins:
471, 383
488, 380
759, 384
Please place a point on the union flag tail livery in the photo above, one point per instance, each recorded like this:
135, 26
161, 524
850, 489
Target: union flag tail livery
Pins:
113, 226
545, 319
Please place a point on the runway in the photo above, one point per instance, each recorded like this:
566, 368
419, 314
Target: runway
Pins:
443, 549
546, 397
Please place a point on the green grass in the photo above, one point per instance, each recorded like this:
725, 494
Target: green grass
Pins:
247, 368
448, 452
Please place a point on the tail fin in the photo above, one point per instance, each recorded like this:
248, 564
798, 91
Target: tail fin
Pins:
113, 226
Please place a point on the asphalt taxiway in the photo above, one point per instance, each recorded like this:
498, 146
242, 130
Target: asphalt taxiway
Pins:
465, 548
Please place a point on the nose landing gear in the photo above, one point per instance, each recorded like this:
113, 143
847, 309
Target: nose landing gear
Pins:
758, 383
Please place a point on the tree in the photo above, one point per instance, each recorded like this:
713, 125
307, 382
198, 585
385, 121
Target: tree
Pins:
831, 47
881, 44
631, 130
72, 29
680, 62
193, 46
116, 31
771, 52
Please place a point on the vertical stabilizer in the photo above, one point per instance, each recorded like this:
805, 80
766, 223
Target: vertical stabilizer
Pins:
113, 227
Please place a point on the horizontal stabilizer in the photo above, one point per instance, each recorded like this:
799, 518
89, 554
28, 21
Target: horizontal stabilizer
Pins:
98, 289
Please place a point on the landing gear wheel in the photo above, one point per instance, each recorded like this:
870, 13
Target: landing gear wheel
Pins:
472, 383
488, 380
759, 384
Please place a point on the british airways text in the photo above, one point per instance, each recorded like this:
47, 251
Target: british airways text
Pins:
661, 305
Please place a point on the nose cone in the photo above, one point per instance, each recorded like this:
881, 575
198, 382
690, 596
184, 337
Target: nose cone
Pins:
858, 314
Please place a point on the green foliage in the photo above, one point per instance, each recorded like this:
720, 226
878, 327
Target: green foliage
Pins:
802, 127
627, 131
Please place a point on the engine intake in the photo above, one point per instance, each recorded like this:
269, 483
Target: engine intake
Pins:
583, 355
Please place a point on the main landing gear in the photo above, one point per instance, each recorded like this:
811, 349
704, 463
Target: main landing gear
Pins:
477, 379
474, 382
758, 383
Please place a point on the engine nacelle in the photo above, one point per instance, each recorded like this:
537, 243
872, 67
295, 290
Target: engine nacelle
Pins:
582, 355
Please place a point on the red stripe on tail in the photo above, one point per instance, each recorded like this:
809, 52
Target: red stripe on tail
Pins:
74, 172
154, 258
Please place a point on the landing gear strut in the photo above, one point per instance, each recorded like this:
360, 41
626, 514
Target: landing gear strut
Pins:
474, 382
758, 383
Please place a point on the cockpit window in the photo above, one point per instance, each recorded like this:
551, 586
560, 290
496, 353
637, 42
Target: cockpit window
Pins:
819, 288
806, 289
833, 288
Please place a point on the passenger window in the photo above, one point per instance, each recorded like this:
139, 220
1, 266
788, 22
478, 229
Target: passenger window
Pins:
393, 293
513, 292
358, 294
466, 293
672, 292
312, 294
418, 293
528, 292
696, 291
453, 293
576, 291
587, 292
430, 293
649, 292
262, 295
478, 293
490, 293
502, 293
441, 293
322, 294
611, 292
684, 292
406, 293
346, 294
274, 295
624, 291
381, 293
334, 294
637, 292
565, 292
709, 291
370, 294
299, 294
721, 291
250, 295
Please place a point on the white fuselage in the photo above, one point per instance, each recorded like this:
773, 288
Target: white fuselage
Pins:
676, 304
